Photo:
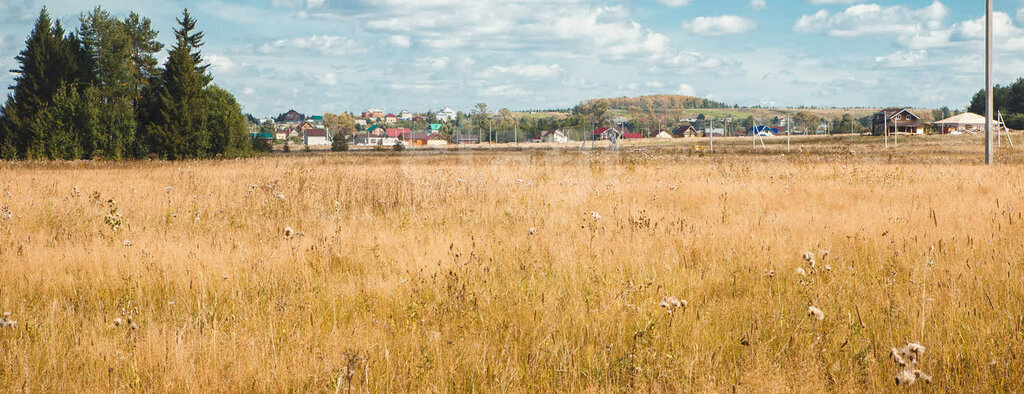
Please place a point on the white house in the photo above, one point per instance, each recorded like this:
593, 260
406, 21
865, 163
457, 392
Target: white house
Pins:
317, 136
556, 136
965, 122
447, 115
404, 115
663, 134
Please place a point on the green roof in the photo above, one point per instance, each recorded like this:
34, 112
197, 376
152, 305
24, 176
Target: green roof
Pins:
435, 126
317, 117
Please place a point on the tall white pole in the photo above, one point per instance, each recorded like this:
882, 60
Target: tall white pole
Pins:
988, 82
885, 125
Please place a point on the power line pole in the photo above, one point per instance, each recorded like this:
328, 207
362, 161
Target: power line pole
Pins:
988, 82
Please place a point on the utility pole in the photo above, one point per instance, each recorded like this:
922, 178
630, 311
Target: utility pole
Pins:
988, 82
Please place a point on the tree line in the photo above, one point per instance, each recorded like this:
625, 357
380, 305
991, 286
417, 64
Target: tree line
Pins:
1009, 100
99, 92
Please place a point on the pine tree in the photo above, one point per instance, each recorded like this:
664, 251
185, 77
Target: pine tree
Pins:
179, 129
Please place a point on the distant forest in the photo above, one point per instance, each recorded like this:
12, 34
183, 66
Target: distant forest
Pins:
659, 102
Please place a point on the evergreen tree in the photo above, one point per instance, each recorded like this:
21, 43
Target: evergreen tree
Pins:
179, 127
48, 62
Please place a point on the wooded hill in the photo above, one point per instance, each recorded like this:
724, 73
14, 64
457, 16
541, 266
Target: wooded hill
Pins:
659, 102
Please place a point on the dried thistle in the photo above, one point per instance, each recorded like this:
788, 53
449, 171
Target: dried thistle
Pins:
816, 313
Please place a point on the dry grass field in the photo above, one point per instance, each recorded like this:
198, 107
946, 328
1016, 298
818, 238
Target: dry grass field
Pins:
531, 271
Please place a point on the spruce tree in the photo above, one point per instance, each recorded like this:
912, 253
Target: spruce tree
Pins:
48, 62
179, 128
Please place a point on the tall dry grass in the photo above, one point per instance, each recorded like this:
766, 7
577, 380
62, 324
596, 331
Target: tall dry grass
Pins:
419, 273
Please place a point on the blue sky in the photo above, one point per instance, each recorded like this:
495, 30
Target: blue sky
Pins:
347, 55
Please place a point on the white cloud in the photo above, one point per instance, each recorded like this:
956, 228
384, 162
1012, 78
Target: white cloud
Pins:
505, 91
674, 3
686, 90
1020, 14
826, 2
401, 41
758, 4
720, 25
903, 59
437, 63
873, 19
220, 64
327, 45
527, 70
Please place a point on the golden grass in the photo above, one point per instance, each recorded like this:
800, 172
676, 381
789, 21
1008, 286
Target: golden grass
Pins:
420, 273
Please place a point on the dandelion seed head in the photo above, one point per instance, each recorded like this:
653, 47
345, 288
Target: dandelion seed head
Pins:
816, 313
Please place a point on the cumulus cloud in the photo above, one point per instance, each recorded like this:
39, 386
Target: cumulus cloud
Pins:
686, 90
221, 64
873, 19
437, 63
719, 25
758, 4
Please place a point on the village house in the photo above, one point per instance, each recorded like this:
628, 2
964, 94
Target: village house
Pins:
404, 115
436, 140
963, 123
373, 114
606, 133
447, 115
662, 134
292, 116
685, 131
390, 119
316, 136
896, 120
556, 136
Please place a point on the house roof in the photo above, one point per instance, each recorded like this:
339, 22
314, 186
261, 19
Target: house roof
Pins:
632, 136
390, 116
394, 133
965, 118
602, 130
551, 132
892, 112
316, 133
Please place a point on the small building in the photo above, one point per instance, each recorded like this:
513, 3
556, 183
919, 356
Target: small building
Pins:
632, 136
555, 136
293, 116
405, 115
373, 114
370, 139
964, 123
461, 139
662, 135
896, 120
447, 115
316, 119
360, 122
390, 118
414, 138
685, 131
606, 133
317, 136
436, 140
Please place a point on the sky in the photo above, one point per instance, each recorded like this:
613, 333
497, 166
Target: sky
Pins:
319, 56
